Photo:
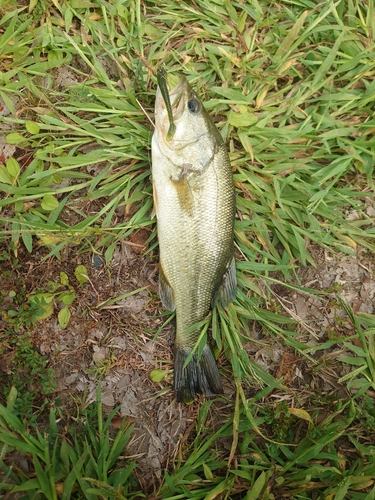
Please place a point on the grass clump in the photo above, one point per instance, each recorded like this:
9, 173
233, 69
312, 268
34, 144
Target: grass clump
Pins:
85, 464
309, 459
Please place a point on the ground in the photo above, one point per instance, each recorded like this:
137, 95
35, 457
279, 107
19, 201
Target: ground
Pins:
291, 89
118, 345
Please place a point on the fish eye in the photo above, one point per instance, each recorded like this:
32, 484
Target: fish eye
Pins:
193, 105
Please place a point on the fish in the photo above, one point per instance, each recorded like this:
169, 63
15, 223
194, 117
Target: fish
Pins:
194, 203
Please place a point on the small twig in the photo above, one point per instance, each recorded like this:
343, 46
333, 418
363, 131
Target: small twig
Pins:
91, 283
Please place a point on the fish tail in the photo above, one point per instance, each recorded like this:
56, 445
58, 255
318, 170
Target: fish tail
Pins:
198, 377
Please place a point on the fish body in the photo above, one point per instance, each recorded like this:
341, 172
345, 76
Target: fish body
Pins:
195, 205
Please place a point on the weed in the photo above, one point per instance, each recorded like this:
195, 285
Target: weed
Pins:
23, 366
87, 464
280, 421
366, 413
28, 372
102, 366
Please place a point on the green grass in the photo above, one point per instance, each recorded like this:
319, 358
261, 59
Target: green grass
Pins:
291, 86
85, 464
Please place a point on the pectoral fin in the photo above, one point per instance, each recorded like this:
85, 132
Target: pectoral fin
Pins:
184, 194
228, 288
165, 291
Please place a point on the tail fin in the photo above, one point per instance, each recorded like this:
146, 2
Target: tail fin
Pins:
198, 377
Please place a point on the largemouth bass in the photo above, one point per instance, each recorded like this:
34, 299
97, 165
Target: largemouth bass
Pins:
195, 205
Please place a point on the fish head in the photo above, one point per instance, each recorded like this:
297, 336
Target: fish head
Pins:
192, 139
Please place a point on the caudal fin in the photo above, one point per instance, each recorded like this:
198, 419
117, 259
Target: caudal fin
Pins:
198, 377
